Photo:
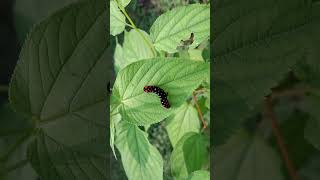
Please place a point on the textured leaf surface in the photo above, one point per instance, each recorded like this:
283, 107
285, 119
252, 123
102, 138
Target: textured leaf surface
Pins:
30, 12
119, 59
190, 154
255, 44
14, 131
176, 25
117, 19
139, 158
124, 3
178, 77
199, 175
185, 119
225, 123
195, 152
60, 82
134, 48
244, 157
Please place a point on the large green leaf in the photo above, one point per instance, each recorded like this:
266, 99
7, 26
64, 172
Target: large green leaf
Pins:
190, 154
60, 82
178, 77
119, 59
226, 100
246, 157
255, 44
117, 19
15, 130
177, 24
30, 12
124, 3
134, 48
139, 158
185, 119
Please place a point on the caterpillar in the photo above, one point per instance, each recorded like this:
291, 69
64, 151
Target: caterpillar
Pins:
160, 92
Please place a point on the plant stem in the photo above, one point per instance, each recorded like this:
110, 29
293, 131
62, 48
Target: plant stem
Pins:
281, 145
135, 27
4, 88
199, 110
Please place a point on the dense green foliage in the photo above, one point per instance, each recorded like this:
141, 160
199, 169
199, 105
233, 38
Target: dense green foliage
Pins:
62, 132
265, 51
155, 59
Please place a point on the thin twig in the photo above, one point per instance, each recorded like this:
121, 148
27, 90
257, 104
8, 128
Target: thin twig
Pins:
135, 27
277, 133
199, 111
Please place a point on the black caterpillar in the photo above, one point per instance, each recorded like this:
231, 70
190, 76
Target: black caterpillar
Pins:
160, 92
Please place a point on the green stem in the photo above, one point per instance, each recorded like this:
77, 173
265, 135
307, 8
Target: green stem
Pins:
135, 27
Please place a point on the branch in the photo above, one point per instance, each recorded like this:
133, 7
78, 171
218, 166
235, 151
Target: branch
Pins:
199, 111
135, 27
281, 145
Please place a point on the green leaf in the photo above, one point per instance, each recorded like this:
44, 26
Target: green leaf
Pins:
185, 119
195, 151
199, 175
124, 3
246, 157
117, 19
139, 158
178, 77
256, 43
190, 154
134, 48
195, 54
114, 120
176, 25
226, 100
15, 130
30, 12
308, 68
60, 82
119, 58
254, 57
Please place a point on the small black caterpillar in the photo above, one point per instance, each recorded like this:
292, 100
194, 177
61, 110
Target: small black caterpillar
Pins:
160, 92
